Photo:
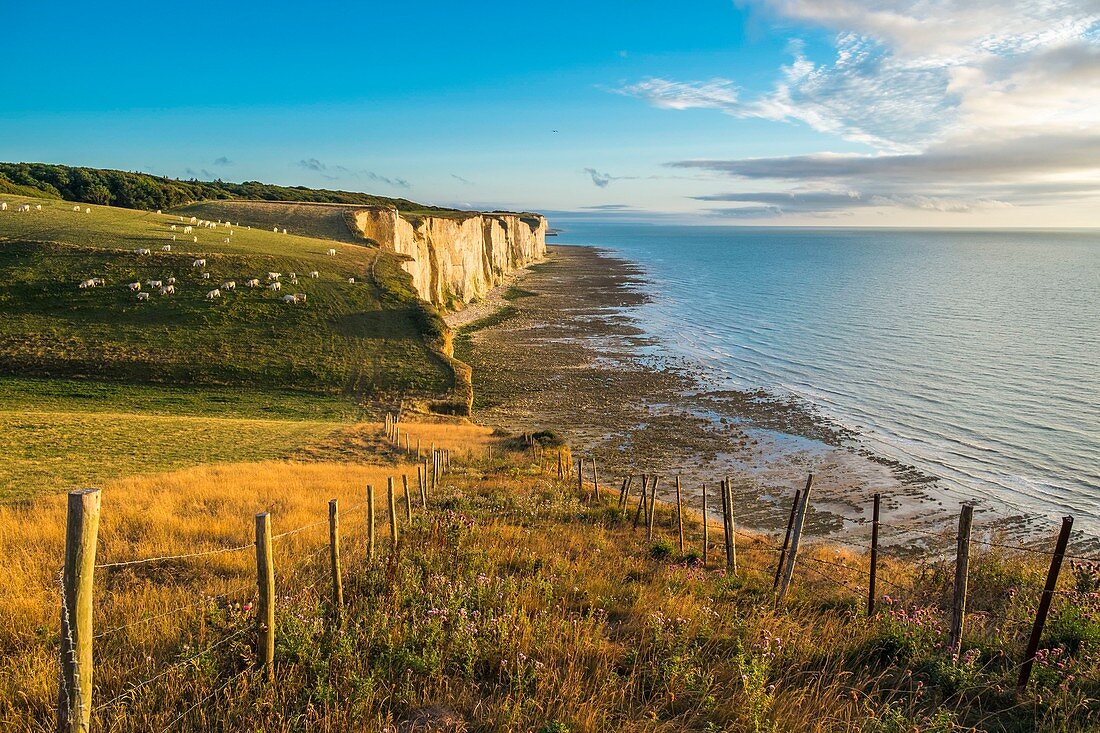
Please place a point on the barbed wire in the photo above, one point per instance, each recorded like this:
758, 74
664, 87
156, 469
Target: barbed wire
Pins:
180, 609
167, 670
204, 700
166, 558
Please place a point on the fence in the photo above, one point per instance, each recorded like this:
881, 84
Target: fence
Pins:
320, 569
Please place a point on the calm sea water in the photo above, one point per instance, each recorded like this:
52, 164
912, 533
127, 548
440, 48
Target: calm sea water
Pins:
973, 355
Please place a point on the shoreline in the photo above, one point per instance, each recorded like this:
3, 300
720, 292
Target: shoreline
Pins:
565, 353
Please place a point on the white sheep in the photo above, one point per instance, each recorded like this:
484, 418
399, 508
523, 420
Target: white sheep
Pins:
188, 230
274, 275
38, 207
315, 274
173, 227
253, 283
171, 281
98, 281
275, 229
284, 231
173, 237
167, 247
275, 286
351, 280
293, 281
195, 240
134, 287
331, 252
229, 285
194, 220
300, 297
25, 207
206, 276
154, 284
141, 251
158, 211
76, 208
3, 205
143, 296
290, 299
292, 275
215, 293
198, 263
87, 211
168, 290
225, 241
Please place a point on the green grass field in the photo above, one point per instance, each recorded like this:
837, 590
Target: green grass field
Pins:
96, 384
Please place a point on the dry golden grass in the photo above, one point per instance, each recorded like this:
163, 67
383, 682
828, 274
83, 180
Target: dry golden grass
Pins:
513, 603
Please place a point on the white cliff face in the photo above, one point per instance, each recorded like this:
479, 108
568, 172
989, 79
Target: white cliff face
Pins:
456, 260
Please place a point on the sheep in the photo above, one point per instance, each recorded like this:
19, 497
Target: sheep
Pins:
194, 220
168, 290
134, 287
351, 281
331, 252
274, 275
195, 240
166, 248
24, 207
275, 286
173, 227
229, 285
253, 283
3, 205
293, 281
87, 211
215, 293
275, 229
289, 299
198, 263
142, 251
292, 275
173, 237
315, 274
187, 230
284, 231
86, 284
76, 208
38, 207
158, 211
143, 296
225, 241
300, 297
154, 284
206, 276
171, 281
181, 218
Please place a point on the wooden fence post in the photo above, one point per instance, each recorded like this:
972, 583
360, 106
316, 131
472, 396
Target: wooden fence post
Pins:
680, 514
490, 455
731, 540
962, 569
408, 498
421, 477
393, 513
796, 537
265, 611
1044, 602
74, 702
561, 466
641, 501
706, 527
624, 492
595, 482
874, 557
334, 562
418, 449
580, 478
786, 540
370, 522
435, 470
733, 525
652, 507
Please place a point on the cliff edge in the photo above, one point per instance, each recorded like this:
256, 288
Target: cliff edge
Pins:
457, 258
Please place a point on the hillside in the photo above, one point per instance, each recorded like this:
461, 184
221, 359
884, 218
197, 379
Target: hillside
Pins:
513, 601
348, 346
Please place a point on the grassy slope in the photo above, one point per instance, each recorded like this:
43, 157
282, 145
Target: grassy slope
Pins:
253, 356
325, 221
512, 604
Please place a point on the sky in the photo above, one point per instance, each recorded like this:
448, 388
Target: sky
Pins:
967, 113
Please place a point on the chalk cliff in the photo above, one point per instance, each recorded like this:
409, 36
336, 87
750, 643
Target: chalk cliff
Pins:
455, 259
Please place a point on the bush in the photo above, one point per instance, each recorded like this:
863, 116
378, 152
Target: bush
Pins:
661, 550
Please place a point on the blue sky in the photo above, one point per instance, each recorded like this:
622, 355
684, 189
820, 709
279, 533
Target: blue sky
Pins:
777, 111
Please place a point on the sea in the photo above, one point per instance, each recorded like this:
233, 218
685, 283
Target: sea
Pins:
972, 355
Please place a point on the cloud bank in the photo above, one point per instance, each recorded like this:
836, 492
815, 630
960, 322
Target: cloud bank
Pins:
961, 105
338, 172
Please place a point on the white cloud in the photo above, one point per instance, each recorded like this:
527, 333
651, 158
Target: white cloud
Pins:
965, 103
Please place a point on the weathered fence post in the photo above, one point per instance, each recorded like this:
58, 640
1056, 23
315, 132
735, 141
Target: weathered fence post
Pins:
580, 477
962, 569
652, 507
421, 475
874, 557
408, 445
641, 501
370, 522
74, 703
733, 525
706, 527
334, 562
435, 469
393, 513
624, 492
418, 449
727, 515
265, 611
796, 537
490, 455
561, 466
408, 498
595, 482
786, 539
680, 514
1044, 602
